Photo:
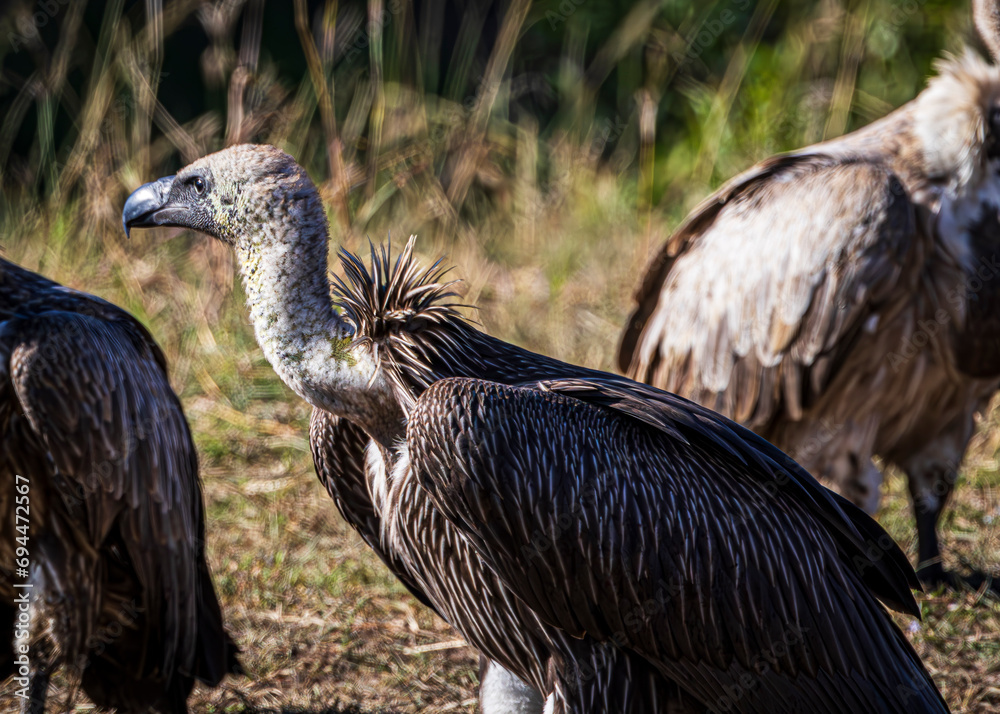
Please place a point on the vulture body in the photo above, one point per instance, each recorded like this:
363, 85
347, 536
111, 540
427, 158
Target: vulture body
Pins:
613, 546
103, 529
843, 300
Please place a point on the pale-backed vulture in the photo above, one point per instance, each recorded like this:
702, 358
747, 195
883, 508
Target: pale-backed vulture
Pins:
843, 300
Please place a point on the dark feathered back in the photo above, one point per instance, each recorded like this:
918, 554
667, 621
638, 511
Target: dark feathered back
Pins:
88, 416
420, 338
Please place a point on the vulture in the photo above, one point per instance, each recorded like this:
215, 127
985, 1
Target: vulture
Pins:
605, 545
102, 554
843, 300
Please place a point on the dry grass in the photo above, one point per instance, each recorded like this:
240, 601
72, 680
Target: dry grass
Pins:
549, 228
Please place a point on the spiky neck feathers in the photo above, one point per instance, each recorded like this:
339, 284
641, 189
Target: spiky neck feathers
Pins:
400, 313
416, 335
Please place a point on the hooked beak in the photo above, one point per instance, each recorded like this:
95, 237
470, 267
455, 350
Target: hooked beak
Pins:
148, 206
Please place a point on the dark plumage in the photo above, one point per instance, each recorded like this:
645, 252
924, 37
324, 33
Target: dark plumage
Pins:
614, 546
580, 489
121, 591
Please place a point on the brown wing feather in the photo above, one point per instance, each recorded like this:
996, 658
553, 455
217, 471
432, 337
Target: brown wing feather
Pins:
338, 449
752, 304
697, 222
686, 543
101, 407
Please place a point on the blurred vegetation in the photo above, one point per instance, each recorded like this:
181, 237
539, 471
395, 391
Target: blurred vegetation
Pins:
546, 147
442, 105
478, 124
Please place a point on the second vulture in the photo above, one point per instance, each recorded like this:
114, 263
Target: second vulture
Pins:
843, 300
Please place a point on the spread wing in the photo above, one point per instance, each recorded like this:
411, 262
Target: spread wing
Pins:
639, 518
755, 300
338, 449
96, 399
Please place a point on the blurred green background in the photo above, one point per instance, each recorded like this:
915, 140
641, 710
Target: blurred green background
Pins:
547, 148
663, 93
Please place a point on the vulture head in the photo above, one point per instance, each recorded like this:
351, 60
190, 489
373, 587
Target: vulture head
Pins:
225, 193
261, 203
956, 122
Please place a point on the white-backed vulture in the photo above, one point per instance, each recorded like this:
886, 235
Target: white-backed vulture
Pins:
843, 300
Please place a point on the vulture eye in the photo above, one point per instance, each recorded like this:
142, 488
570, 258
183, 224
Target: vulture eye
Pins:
199, 185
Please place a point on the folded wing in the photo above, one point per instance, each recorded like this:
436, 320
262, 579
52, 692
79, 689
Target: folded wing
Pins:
755, 300
96, 397
676, 535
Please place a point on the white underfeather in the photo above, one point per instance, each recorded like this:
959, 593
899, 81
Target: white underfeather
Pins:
550, 704
501, 692
378, 484
399, 475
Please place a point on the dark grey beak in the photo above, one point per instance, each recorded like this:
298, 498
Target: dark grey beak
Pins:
147, 206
